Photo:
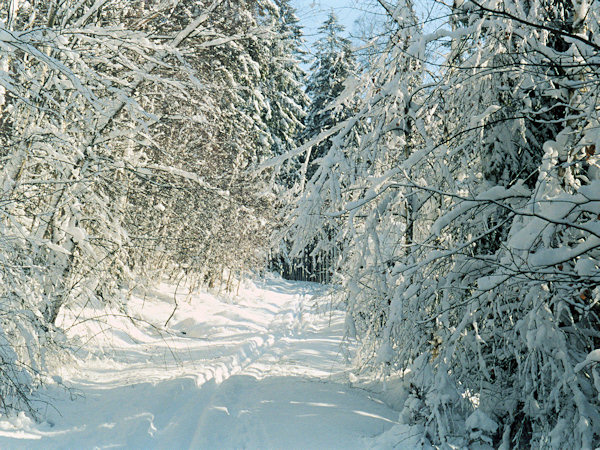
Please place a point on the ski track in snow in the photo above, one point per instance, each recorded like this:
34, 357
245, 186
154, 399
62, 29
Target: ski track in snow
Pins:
264, 370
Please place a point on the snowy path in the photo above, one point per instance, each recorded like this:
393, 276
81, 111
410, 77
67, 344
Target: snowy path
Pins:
262, 371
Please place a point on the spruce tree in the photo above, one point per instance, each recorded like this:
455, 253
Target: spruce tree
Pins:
285, 80
334, 63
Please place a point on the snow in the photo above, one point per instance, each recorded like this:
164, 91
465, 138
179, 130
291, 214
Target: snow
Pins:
401, 437
586, 267
477, 120
57, 248
594, 356
262, 370
481, 421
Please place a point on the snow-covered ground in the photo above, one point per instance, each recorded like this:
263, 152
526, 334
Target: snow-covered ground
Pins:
262, 370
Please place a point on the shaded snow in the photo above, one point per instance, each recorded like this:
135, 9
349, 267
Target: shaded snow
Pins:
264, 370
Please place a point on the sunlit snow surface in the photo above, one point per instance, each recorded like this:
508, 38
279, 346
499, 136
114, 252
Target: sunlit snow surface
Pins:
262, 370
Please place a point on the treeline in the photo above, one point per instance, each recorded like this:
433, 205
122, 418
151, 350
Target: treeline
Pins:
463, 191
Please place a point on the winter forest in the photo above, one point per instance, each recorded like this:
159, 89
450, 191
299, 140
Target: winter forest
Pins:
433, 182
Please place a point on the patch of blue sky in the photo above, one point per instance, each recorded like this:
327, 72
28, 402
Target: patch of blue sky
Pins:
312, 14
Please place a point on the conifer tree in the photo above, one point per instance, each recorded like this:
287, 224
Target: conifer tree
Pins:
285, 80
334, 63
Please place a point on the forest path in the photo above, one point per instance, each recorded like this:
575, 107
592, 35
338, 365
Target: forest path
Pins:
263, 370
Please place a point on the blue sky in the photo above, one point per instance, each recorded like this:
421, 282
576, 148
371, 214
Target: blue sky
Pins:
312, 13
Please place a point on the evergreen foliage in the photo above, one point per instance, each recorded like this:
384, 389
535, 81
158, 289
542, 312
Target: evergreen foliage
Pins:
334, 64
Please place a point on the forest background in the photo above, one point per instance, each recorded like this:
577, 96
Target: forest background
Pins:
443, 175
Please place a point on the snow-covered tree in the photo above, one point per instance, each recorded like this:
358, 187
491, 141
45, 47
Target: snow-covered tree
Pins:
526, 195
108, 107
284, 81
334, 64
249, 107
469, 220
71, 80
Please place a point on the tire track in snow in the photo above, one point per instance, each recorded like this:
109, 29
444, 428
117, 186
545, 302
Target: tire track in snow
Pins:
284, 324
293, 395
